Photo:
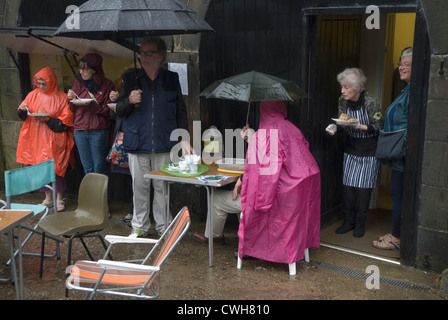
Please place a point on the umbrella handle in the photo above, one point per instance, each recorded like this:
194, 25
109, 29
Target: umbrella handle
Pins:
248, 110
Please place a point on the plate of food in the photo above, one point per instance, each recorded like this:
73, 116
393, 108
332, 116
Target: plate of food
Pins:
345, 120
39, 114
81, 101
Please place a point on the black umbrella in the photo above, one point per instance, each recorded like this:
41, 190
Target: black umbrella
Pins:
120, 19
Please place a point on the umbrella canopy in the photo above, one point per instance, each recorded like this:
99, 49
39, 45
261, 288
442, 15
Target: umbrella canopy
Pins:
42, 41
254, 86
112, 19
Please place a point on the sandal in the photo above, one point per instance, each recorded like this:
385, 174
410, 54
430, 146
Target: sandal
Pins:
47, 203
386, 243
61, 205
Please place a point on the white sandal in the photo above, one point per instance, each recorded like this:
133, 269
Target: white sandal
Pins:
61, 205
47, 203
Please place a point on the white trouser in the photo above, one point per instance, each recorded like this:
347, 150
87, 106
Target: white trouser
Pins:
222, 206
139, 164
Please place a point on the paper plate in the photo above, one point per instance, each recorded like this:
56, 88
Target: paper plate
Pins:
81, 101
40, 114
346, 123
171, 170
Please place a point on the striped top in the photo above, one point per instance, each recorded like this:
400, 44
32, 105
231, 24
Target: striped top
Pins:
360, 167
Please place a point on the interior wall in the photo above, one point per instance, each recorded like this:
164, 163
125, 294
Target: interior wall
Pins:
399, 35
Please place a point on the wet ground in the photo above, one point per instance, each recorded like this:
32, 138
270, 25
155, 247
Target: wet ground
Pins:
331, 274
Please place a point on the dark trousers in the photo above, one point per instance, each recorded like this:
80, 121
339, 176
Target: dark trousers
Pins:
396, 192
356, 201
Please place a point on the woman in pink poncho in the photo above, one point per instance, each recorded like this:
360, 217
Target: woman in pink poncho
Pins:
280, 196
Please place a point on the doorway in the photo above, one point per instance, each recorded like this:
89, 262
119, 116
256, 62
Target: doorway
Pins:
340, 41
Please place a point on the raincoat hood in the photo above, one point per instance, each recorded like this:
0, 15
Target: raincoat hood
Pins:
48, 75
272, 111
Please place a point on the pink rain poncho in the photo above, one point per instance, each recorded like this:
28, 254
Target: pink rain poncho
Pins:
280, 196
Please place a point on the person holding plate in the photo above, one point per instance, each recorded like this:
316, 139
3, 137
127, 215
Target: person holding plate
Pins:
46, 131
89, 97
360, 167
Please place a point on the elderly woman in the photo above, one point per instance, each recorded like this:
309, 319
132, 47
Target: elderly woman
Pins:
49, 136
91, 120
360, 167
396, 119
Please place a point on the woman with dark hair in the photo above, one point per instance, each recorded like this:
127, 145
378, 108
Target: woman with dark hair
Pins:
91, 119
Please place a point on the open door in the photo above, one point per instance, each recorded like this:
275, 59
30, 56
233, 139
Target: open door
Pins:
339, 40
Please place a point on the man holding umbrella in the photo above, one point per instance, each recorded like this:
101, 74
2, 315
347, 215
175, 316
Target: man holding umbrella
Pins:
152, 106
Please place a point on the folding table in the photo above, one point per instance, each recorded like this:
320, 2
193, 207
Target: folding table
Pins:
209, 186
10, 219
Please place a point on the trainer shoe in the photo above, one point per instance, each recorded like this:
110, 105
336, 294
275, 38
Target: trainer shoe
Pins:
137, 233
128, 217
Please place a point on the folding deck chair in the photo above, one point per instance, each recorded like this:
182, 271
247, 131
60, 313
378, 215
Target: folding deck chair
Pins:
132, 278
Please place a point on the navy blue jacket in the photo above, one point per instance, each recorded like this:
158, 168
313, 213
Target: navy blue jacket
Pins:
147, 128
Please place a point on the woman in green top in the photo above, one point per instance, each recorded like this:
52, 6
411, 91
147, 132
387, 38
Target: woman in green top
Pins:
396, 119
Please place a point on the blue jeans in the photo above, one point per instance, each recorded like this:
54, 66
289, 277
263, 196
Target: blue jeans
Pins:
396, 191
93, 147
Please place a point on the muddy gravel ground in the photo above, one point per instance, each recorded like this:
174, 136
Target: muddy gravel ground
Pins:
186, 276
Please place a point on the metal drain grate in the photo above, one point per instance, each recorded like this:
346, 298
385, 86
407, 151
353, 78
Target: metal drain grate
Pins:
361, 275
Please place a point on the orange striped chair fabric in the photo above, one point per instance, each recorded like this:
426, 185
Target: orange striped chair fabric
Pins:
90, 271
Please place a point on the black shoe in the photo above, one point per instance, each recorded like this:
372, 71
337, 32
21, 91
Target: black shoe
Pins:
345, 227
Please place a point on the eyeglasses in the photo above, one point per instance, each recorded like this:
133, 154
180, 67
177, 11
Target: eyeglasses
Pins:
41, 83
83, 68
147, 53
404, 65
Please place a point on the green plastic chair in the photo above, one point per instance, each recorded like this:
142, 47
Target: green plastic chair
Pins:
25, 180
90, 217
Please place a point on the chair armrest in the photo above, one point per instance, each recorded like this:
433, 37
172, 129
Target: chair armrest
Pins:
120, 239
117, 265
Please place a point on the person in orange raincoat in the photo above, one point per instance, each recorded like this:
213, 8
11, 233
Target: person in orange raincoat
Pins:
49, 136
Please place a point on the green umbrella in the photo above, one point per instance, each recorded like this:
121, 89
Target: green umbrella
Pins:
254, 86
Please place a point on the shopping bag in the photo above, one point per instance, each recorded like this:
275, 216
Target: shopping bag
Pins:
391, 145
117, 156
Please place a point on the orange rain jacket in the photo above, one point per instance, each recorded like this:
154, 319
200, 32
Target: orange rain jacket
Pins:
37, 143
